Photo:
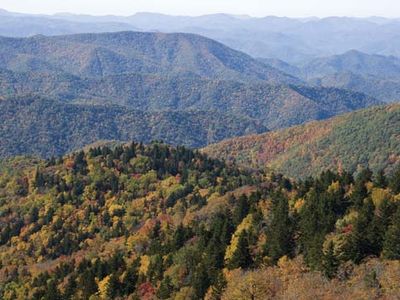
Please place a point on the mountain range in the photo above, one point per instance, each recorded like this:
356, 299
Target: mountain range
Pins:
153, 73
372, 74
292, 190
290, 39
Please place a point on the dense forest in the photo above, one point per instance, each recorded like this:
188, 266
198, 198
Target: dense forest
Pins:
53, 128
275, 106
365, 138
159, 222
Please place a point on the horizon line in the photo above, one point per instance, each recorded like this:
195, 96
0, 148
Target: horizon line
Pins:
243, 16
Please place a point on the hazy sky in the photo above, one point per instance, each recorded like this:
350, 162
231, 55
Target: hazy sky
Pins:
297, 8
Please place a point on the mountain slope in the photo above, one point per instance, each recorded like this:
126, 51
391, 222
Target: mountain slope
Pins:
47, 128
159, 222
96, 55
367, 137
274, 106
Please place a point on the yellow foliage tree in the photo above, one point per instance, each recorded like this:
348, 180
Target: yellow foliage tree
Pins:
245, 225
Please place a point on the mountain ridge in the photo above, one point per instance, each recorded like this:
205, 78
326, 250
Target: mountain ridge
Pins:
145, 52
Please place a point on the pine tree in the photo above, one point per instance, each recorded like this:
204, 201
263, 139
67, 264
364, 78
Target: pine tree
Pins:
359, 193
179, 237
201, 281
317, 218
38, 179
391, 244
280, 231
363, 238
241, 210
87, 284
80, 164
112, 286
131, 277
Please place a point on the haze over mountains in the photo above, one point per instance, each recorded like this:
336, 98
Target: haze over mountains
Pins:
152, 73
325, 52
375, 75
292, 40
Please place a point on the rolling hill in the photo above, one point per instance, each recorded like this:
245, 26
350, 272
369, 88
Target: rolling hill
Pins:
364, 138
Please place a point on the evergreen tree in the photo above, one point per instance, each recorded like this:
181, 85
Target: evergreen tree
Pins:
179, 237
80, 164
113, 286
317, 218
359, 193
69, 288
38, 179
241, 210
363, 241
280, 231
131, 277
391, 245
201, 281
87, 284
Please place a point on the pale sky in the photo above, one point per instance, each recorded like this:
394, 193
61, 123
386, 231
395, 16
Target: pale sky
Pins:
290, 8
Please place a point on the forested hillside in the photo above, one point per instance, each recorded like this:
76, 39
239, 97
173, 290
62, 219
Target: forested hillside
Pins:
364, 138
156, 222
274, 106
45, 128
